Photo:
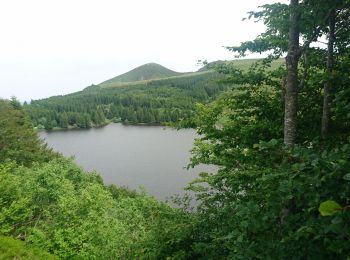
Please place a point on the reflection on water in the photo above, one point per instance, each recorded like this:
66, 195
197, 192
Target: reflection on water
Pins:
150, 156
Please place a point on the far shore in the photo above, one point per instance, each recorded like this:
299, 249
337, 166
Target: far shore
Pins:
54, 129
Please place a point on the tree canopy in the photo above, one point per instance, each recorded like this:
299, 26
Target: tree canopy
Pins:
282, 186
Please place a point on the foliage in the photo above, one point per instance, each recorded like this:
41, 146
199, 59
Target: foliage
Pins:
14, 249
71, 214
266, 198
267, 205
51, 203
329, 208
18, 142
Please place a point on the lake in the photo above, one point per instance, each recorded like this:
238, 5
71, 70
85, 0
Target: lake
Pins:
132, 155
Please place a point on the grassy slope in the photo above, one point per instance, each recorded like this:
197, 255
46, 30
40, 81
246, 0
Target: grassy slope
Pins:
145, 82
242, 64
131, 78
144, 72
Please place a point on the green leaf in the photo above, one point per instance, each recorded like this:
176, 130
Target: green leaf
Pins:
347, 177
273, 142
329, 207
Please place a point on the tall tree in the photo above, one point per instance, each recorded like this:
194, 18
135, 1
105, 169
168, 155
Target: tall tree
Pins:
337, 30
292, 59
327, 85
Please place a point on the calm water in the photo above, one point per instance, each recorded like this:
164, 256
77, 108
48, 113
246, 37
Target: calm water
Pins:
150, 156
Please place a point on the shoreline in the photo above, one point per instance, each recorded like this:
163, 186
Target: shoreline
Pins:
72, 128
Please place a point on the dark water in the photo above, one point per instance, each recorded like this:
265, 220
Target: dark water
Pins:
150, 156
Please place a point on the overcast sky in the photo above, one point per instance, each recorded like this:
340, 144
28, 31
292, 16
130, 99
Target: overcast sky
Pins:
54, 47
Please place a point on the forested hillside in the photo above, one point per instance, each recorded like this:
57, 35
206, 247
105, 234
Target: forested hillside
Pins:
151, 102
165, 97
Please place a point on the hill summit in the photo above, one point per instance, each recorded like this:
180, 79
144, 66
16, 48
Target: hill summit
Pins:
144, 72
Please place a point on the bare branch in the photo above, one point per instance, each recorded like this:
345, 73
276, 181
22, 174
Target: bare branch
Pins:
307, 43
305, 71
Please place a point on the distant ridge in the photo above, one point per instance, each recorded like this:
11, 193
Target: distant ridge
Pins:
243, 64
145, 72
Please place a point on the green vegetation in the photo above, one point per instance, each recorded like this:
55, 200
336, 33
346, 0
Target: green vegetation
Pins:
149, 94
151, 102
282, 189
145, 72
155, 101
51, 204
17, 140
14, 249
280, 137
264, 201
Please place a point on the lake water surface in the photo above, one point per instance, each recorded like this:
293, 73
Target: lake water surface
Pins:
150, 156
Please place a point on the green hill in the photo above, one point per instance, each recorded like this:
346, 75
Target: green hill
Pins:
149, 94
145, 72
150, 72
156, 101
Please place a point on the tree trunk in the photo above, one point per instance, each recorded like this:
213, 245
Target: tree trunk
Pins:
327, 86
291, 96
